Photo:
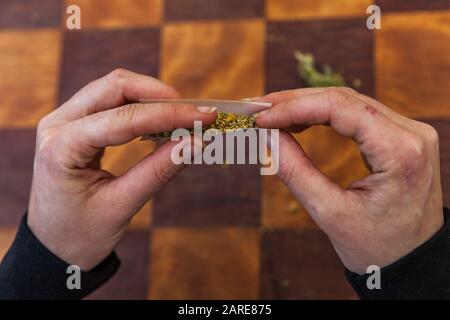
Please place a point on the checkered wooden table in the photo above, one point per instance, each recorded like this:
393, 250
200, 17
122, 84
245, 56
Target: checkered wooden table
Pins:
219, 232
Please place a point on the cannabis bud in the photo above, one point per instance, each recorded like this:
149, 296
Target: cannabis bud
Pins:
312, 77
224, 122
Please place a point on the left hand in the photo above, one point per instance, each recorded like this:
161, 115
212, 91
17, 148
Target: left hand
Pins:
77, 210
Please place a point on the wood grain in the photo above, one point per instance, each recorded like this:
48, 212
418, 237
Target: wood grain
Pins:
222, 60
443, 128
29, 67
185, 10
213, 263
413, 64
131, 280
306, 9
16, 170
113, 14
210, 196
344, 44
89, 55
412, 5
18, 14
301, 265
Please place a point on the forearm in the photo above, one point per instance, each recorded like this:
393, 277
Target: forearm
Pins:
30, 271
422, 274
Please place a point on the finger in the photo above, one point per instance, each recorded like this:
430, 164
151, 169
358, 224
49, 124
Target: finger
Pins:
143, 180
121, 125
397, 117
113, 90
349, 116
310, 186
281, 96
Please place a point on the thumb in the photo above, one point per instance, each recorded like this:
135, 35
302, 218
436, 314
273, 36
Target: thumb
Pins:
310, 186
138, 184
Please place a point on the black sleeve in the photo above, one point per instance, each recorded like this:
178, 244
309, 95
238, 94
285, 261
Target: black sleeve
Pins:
422, 274
30, 271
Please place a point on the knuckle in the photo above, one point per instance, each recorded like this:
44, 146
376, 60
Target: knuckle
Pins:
47, 142
118, 73
170, 111
281, 95
335, 95
286, 172
431, 135
55, 149
126, 114
161, 174
43, 124
347, 90
414, 160
415, 147
117, 77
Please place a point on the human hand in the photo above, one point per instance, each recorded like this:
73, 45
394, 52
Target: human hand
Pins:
78, 211
389, 213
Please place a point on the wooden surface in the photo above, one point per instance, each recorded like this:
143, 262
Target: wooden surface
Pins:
219, 231
318, 9
29, 64
412, 45
114, 14
224, 64
205, 263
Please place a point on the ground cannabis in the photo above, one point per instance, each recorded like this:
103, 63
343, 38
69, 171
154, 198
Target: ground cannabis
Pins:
231, 121
293, 207
224, 122
314, 78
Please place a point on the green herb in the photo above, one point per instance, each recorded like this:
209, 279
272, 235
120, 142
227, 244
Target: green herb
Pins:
312, 77
231, 121
224, 122
293, 207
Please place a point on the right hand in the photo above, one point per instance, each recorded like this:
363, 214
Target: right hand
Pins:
381, 218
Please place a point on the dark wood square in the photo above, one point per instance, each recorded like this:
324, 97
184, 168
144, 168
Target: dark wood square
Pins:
131, 281
16, 169
346, 45
212, 195
182, 10
412, 5
92, 54
30, 13
301, 265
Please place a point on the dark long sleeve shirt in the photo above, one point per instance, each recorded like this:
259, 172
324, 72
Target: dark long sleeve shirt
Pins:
30, 271
422, 274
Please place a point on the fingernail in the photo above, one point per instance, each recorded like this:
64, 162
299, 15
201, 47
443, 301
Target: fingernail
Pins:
260, 114
251, 99
206, 109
